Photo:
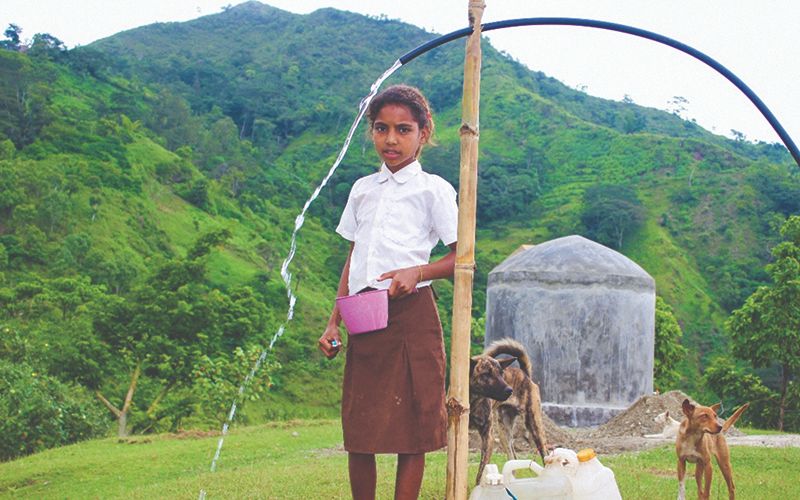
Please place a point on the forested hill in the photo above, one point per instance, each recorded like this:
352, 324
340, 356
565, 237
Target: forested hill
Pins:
289, 84
150, 181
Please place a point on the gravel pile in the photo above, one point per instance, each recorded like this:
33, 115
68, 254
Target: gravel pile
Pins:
637, 420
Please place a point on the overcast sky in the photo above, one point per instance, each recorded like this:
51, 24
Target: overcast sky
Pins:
757, 40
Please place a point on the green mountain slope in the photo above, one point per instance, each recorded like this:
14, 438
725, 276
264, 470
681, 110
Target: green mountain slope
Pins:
132, 148
542, 144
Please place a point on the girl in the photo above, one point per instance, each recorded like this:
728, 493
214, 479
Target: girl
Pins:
393, 387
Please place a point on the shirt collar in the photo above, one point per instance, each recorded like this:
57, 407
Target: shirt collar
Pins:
402, 175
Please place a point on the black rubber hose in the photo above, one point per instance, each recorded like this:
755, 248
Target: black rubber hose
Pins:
591, 23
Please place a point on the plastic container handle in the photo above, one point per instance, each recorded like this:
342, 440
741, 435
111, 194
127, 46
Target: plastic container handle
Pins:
512, 465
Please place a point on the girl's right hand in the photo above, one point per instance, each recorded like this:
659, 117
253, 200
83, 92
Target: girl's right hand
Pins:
330, 343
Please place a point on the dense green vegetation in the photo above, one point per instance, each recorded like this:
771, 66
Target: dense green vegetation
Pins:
150, 181
766, 329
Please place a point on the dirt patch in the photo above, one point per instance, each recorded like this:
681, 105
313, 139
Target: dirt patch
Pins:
329, 452
661, 472
134, 440
768, 441
192, 434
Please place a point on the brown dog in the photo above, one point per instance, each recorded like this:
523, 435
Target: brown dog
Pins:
700, 437
496, 387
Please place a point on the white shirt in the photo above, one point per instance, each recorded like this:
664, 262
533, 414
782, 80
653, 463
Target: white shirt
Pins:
395, 221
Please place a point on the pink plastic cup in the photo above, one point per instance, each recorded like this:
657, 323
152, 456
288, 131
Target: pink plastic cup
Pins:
365, 312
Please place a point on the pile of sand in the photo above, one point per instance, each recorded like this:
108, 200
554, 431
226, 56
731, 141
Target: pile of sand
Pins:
637, 420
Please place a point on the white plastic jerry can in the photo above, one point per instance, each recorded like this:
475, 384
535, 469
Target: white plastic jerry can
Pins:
593, 480
491, 487
551, 482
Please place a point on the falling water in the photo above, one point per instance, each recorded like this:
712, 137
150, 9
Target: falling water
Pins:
285, 274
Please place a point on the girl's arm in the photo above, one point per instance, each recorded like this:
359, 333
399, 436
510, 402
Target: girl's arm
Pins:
330, 343
404, 281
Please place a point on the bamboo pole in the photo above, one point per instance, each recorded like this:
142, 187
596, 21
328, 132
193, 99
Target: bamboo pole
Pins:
458, 394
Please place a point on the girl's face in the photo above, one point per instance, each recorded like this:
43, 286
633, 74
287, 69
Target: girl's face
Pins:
397, 136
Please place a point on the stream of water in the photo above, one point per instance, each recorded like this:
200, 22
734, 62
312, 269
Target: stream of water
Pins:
285, 273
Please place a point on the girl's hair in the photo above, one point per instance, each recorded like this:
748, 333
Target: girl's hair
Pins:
407, 96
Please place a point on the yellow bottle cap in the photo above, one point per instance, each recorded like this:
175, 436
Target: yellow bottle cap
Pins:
586, 454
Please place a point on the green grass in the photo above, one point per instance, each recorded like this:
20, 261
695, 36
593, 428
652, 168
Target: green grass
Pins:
757, 473
304, 459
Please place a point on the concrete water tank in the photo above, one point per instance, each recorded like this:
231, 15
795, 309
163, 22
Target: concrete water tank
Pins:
586, 314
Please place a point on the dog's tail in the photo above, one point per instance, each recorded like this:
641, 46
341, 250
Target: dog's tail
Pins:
733, 418
512, 348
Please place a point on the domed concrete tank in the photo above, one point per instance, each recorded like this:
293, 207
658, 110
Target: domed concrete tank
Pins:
586, 314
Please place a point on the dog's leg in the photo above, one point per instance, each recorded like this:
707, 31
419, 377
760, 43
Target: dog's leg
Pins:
729, 481
724, 463
506, 417
539, 438
534, 421
698, 478
703, 473
486, 446
681, 479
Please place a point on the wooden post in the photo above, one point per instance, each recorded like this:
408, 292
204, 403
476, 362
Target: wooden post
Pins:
458, 394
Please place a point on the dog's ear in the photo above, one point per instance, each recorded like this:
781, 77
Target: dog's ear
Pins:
472, 364
506, 362
716, 407
688, 408
666, 414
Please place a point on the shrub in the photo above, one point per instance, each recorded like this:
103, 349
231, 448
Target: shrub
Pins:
39, 412
736, 386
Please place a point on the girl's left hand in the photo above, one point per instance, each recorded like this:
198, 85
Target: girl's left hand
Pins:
404, 281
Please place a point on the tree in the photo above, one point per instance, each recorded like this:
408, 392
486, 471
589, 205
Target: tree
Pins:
736, 386
505, 194
116, 272
168, 326
24, 99
632, 121
11, 193
12, 41
766, 329
609, 212
668, 349
217, 380
46, 45
677, 105
88, 60
172, 119
779, 186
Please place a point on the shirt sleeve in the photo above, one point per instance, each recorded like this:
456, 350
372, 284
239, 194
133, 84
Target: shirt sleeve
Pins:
445, 213
348, 224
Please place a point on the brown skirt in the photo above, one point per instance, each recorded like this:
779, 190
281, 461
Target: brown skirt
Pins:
393, 388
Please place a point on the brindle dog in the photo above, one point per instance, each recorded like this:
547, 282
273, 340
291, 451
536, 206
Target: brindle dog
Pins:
497, 387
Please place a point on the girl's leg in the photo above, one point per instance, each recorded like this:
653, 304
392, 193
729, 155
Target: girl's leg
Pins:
362, 476
409, 476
